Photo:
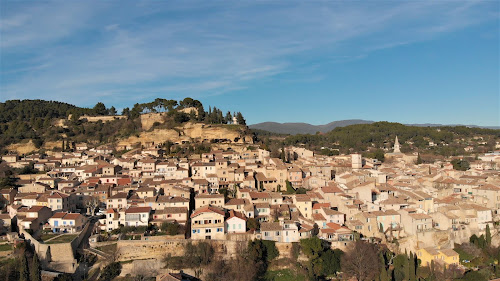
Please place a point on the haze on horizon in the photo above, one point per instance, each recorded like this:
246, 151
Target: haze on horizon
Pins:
314, 62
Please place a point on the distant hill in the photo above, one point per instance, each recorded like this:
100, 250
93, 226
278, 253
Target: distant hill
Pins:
305, 128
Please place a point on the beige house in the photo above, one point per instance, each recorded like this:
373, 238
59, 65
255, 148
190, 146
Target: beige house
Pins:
117, 201
413, 222
209, 199
170, 214
33, 187
207, 223
162, 202
304, 204
282, 231
488, 195
58, 202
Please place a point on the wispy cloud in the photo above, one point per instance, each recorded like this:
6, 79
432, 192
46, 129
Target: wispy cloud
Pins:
89, 51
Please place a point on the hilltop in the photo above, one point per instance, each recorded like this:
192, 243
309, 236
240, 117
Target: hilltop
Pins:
29, 125
444, 140
304, 128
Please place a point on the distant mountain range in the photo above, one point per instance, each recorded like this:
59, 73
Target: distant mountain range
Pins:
305, 128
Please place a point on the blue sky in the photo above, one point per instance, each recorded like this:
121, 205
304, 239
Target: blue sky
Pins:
307, 61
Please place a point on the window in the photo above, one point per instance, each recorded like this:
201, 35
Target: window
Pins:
208, 230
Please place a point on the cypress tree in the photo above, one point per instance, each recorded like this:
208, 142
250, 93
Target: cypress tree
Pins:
282, 154
406, 267
384, 275
488, 235
411, 261
35, 271
431, 275
23, 269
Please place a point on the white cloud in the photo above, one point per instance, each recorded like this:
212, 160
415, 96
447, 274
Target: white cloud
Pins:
86, 51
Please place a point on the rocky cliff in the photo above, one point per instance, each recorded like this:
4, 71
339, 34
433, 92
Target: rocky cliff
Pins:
192, 132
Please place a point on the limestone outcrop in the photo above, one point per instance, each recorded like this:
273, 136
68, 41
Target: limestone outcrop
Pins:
192, 133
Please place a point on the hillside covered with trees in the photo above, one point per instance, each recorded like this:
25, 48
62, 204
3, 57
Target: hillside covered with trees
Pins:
448, 140
37, 120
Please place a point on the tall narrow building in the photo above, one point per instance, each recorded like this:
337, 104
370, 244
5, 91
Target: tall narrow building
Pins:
396, 146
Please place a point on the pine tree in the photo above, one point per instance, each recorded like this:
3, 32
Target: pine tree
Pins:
240, 119
229, 118
23, 269
35, 271
112, 111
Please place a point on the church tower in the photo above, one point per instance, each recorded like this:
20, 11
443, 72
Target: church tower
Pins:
396, 146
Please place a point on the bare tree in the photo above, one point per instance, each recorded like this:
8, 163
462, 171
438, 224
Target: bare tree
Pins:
91, 205
471, 249
361, 261
144, 270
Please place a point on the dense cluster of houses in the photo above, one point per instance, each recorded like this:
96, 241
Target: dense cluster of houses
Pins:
247, 193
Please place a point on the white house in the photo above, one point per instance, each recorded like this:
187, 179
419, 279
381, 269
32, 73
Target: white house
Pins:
236, 223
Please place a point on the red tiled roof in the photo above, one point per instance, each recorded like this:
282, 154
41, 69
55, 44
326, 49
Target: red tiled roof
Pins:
59, 215
134, 210
208, 208
57, 195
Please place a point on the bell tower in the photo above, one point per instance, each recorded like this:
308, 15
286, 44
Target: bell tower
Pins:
396, 146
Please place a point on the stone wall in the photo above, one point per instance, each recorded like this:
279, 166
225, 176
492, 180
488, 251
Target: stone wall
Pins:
58, 257
144, 249
102, 118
